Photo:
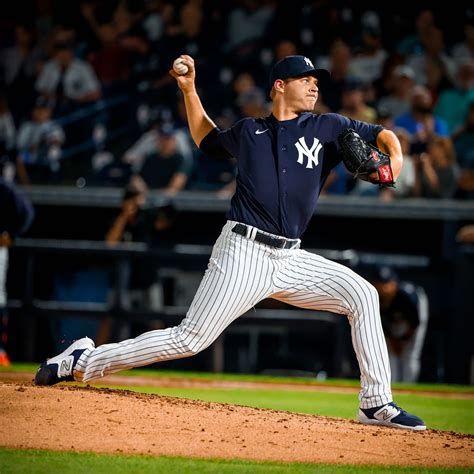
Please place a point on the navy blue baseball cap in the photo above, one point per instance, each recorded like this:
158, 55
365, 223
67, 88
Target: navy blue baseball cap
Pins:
294, 66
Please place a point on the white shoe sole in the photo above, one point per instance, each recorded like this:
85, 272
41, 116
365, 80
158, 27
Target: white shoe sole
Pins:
362, 418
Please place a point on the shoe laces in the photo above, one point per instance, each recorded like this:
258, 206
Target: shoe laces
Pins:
402, 411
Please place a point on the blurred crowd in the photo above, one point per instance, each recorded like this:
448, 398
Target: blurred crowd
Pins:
86, 97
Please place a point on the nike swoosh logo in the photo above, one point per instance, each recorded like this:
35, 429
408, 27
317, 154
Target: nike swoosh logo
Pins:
259, 132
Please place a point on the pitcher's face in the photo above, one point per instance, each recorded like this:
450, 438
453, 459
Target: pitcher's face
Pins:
301, 93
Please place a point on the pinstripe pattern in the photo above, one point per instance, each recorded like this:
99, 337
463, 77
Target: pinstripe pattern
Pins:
241, 273
238, 276
314, 282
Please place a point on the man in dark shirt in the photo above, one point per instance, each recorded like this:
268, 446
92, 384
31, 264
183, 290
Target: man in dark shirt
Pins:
135, 223
166, 169
283, 160
404, 312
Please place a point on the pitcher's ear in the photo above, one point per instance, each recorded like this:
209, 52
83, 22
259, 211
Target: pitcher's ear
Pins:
279, 85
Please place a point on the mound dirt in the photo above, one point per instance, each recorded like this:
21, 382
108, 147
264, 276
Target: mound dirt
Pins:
73, 418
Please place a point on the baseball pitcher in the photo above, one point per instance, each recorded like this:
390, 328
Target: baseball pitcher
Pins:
283, 161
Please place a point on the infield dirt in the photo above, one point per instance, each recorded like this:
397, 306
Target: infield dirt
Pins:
73, 418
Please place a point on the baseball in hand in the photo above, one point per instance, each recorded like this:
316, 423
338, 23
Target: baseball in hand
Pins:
179, 67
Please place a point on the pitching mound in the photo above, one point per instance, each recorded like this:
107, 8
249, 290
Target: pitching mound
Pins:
115, 421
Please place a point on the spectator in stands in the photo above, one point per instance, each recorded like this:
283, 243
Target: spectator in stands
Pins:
133, 224
154, 19
247, 24
189, 34
166, 169
285, 48
7, 141
338, 64
433, 50
354, 105
250, 99
70, 82
412, 44
149, 143
137, 223
367, 63
16, 217
464, 50
39, 146
385, 83
19, 66
402, 84
437, 78
146, 63
110, 61
420, 122
404, 312
436, 169
464, 146
385, 118
452, 105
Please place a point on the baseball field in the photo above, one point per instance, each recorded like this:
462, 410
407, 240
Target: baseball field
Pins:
159, 421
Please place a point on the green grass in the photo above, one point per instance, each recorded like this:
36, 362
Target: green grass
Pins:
152, 373
439, 413
48, 462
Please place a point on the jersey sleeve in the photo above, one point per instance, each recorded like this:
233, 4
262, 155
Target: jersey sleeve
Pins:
223, 143
367, 131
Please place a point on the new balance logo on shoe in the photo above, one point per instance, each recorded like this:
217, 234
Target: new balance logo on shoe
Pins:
386, 415
65, 367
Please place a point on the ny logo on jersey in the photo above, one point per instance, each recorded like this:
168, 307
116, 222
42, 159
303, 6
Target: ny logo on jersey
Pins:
311, 153
308, 62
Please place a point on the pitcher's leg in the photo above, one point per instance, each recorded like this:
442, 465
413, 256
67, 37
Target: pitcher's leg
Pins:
314, 282
238, 276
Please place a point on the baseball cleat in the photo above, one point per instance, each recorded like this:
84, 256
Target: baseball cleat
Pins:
61, 368
390, 415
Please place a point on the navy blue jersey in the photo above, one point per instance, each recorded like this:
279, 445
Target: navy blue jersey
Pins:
282, 166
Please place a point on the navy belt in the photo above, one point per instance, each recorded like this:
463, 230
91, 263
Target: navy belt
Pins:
254, 234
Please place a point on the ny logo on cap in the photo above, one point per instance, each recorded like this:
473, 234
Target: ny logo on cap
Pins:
311, 153
308, 62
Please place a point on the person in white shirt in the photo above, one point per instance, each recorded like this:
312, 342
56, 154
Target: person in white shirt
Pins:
65, 78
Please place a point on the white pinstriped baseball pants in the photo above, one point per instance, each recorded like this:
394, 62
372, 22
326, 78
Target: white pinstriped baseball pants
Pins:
240, 273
